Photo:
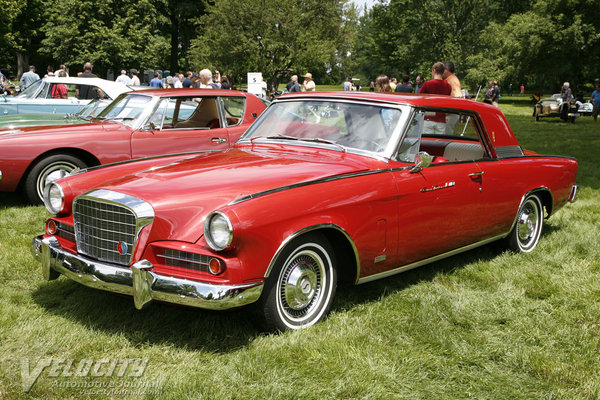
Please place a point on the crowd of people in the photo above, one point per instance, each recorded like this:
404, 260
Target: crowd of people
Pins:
443, 81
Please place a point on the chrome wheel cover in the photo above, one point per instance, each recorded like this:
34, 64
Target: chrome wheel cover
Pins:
529, 224
52, 172
304, 286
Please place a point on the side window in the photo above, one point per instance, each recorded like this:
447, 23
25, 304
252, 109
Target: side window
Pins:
411, 141
156, 120
192, 113
234, 109
451, 136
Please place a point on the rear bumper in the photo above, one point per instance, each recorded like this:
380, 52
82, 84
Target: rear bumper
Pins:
139, 281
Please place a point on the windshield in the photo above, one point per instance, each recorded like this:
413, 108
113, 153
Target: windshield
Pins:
346, 125
126, 109
30, 91
92, 109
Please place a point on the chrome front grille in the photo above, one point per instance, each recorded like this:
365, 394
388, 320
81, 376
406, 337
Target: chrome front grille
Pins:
107, 224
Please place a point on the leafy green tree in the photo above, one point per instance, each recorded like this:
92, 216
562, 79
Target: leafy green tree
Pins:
111, 34
556, 41
20, 33
271, 36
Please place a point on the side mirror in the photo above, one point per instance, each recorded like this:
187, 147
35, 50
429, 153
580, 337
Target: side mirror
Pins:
422, 160
149, 127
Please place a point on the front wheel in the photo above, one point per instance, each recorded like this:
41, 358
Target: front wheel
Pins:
528, 229
300, 290
46, 171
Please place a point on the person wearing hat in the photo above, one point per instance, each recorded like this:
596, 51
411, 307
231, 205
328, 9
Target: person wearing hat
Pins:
29, 77
309, 84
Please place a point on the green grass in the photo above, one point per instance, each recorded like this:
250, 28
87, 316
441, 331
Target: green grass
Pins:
487, 324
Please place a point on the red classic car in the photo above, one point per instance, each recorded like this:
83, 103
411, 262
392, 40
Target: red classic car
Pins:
323, 188
135, 125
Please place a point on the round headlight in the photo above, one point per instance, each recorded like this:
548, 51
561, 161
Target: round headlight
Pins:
218, 231
54, 198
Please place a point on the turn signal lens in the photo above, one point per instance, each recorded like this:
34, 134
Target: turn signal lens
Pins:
52, 227
215, 266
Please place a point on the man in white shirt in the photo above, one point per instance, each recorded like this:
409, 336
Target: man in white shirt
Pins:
123, 78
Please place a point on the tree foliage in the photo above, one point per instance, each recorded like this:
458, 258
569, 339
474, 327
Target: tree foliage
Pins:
110, 34
272, 36
542, 42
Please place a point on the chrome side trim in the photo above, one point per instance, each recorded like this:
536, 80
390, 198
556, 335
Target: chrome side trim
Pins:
140, 282
0, 176
313, 182
309, 229
427, 261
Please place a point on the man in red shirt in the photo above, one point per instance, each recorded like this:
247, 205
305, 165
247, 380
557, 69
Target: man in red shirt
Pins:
437, 85
435, 123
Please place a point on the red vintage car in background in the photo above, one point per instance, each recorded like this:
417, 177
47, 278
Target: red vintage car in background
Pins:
135, 125
323, 188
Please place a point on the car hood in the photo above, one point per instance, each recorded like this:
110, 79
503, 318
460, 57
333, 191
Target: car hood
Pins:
16, 121
184, 192
80, 128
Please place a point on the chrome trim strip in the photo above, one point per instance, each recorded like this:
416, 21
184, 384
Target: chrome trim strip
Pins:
313, 182
427, 261
140, 282
0, 175
308, 229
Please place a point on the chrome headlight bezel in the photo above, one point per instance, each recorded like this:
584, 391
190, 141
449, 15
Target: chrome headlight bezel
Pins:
53, 192
225, 238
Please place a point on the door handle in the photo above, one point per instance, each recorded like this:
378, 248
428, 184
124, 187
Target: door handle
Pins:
218, 140
476, 174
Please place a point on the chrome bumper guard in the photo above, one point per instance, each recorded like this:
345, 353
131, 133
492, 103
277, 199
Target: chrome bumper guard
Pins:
139, 281
573, 195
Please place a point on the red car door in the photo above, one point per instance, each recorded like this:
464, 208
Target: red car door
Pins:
182, 125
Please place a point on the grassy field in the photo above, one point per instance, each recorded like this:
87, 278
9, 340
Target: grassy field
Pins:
487, 324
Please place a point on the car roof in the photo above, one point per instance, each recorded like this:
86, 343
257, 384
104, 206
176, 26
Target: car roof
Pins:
425, 100
193, 92
112, 89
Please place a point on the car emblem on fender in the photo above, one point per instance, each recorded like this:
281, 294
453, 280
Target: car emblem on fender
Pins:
122, 248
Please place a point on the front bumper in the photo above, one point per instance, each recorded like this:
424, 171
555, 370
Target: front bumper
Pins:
139, 281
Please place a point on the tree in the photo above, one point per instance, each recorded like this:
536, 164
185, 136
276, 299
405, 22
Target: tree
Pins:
270, 36
111, 34
556, 41
20, 34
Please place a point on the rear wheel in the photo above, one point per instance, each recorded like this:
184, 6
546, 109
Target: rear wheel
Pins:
47, 170
300, 290
528, 229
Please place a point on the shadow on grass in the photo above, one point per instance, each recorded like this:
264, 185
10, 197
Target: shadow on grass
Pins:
9, 200
218, 332
349, 296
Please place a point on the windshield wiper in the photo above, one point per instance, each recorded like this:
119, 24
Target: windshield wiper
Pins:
115, 118
320, 140
285, 137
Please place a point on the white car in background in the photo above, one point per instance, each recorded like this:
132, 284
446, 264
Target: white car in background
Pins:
37, 98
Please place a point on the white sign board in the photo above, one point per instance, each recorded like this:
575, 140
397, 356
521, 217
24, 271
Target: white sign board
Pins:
255, 83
